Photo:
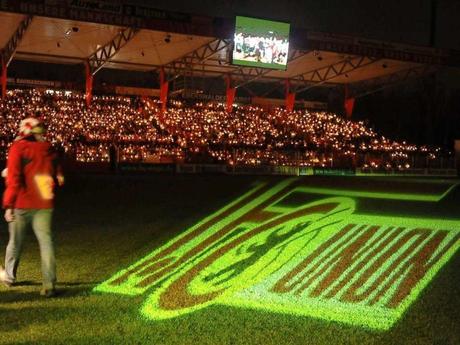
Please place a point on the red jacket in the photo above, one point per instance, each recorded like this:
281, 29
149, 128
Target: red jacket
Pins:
32, 171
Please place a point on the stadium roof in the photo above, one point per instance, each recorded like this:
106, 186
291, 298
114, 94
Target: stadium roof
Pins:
204, 50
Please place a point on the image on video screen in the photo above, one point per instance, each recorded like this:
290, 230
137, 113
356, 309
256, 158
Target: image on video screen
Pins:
261, 43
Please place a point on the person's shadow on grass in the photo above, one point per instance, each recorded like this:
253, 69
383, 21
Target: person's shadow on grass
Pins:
21, 292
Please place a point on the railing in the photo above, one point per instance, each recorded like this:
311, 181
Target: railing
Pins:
278, 170
441, 166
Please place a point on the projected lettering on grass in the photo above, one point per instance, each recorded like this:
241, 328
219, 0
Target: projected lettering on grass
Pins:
274, 250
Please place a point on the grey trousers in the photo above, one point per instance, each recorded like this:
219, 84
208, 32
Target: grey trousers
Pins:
40, 219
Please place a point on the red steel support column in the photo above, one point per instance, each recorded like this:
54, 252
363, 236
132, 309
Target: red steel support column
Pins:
89, 85
349, 103
290, 97
164, 85
230, 92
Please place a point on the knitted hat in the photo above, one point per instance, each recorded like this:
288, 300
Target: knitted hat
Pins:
29, 126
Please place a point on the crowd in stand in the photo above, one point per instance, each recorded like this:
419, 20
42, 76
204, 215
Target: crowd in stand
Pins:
204, 132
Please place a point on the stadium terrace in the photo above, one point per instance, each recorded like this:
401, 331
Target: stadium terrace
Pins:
203, 133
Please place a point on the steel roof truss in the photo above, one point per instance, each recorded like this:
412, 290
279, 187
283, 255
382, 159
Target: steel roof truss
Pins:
103, 55
366, 87
324, 74
197, 57
13, 43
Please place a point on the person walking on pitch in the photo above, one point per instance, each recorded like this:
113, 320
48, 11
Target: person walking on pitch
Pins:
32, 174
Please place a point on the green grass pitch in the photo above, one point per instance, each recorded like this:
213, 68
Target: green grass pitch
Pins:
245, 260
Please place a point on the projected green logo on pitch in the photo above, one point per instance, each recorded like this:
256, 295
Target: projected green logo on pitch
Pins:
289, 248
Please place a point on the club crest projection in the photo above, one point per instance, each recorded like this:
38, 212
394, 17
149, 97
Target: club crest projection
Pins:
293, 248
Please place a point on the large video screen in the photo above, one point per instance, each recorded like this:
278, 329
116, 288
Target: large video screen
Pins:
261, 43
